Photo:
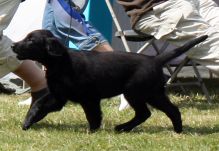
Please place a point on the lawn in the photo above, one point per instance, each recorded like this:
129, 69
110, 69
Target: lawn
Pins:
67, 130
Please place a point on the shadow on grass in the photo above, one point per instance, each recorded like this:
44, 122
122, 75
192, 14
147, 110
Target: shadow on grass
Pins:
187, 130
212, 86
200, 105
203, 130
193, 96
83, 128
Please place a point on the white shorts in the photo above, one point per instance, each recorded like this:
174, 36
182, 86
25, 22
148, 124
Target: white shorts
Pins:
178, 21
8, 60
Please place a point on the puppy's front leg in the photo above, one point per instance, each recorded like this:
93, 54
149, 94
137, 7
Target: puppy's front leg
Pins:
93, 113
40, 108
34, 114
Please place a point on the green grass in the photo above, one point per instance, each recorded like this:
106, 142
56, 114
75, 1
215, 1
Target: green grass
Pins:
67, 130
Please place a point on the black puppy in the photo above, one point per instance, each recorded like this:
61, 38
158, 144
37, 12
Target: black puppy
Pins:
87, 77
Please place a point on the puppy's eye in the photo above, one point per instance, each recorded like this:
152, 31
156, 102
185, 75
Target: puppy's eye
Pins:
30, 40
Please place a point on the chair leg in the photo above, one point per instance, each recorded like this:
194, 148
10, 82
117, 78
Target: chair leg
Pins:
202, 84
200, 81
174, 75
158, 51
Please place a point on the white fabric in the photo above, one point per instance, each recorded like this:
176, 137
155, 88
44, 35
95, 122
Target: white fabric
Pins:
81, 3
209, 11
7, 11
27, 18
25, 102
178, 21
8, 60
123, 103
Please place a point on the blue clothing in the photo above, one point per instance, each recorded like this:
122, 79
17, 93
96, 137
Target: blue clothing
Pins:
67, 29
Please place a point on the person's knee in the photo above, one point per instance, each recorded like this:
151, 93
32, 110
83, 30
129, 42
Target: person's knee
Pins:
103, 48
32, 75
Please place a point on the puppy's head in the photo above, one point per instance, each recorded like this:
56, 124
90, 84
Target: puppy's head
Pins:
38, 45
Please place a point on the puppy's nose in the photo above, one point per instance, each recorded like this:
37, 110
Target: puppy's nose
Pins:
13, 46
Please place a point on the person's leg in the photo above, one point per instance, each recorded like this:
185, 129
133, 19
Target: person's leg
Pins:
206, 53
209, 10
103, 47
35, 78
32, 75
48, 24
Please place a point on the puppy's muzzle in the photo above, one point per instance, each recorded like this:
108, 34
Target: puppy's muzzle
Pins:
14, 48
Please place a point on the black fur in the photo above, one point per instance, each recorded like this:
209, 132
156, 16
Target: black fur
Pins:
87, 77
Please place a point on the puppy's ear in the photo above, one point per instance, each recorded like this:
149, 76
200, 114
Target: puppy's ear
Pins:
54, 47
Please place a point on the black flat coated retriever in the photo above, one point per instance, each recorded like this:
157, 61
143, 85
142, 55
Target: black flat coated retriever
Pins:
87, 77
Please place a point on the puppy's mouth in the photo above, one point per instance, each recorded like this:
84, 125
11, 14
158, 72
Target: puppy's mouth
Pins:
16, 51
13, 49
19, 56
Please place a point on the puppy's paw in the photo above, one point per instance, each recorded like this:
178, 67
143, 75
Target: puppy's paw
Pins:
94, 129
118, 128
122, 128
178, 129
26, 126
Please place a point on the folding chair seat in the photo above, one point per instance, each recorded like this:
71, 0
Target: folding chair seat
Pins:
130, 35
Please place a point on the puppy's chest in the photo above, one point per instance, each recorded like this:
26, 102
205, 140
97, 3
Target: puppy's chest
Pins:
66, 89
61, 84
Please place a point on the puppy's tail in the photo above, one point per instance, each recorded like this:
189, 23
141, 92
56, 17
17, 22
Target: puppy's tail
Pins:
169, 55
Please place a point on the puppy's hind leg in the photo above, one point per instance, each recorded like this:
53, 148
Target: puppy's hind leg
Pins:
93, 113
162, 102
142, 113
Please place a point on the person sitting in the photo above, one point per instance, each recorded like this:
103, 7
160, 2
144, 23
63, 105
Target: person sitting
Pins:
178, 21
